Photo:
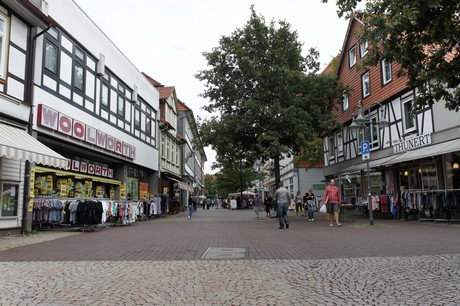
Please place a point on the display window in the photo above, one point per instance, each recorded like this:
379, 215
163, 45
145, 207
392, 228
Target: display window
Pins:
64, 184
9, 199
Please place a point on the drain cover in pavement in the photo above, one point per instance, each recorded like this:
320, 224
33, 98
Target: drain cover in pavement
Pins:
224, 253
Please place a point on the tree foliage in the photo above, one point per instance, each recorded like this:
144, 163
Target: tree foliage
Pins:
422, 35
234, 179
269, 98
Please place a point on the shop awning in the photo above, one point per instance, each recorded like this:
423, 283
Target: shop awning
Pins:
372, 164
16, 143
424, 152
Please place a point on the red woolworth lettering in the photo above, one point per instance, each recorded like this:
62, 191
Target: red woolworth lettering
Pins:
47, 117
125, 149
65, 124
110, 173
132, 152
91, 168
110, 143
101, 139
119, 146
97, 170
78, 130
104, 171
90, 134
75, 165
84, 167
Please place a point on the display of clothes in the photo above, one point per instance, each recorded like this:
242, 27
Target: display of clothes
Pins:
47, 210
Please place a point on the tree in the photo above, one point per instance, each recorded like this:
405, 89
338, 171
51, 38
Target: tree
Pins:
423, 36
269, 97
235, 179
210, 184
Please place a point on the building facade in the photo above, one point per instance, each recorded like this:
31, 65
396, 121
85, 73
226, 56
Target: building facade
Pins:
87, 103
415, 152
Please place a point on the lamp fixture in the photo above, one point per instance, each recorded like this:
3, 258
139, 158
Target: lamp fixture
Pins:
406, 173
455, 165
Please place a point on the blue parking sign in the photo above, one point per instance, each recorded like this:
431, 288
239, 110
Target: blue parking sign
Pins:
365, 147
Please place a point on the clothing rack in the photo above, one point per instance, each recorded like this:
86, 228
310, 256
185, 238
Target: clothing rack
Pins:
437, 205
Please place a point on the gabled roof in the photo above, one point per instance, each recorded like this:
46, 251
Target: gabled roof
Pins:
152, 80
345, 42
166, 91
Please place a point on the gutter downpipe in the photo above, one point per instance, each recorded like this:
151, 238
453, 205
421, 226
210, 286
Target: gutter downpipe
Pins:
26, 225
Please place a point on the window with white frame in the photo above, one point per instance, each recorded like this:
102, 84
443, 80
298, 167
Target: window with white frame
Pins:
365, 84
4, 26
352, 56
339, 144
374, 134
386, 71
363, 47
408, 116
331, 147
344, 100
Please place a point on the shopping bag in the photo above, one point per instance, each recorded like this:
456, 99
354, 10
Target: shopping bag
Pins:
323, 208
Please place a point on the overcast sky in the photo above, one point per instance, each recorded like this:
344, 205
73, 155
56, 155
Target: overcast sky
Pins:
166, 39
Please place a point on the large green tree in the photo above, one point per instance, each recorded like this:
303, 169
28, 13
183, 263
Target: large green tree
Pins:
422, 35
269, 98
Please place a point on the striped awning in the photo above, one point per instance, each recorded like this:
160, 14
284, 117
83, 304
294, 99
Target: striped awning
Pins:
16, 143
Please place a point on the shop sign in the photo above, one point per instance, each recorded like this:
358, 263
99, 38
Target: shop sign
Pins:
406, 144
83, 167
64, 124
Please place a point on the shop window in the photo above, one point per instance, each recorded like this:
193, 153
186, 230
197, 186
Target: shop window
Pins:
352, 56
365, 84
9, 200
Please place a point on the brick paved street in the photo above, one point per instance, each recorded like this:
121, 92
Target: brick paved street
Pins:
159, 262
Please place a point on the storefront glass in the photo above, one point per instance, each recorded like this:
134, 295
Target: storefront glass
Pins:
421, 177
451, 164
9, 200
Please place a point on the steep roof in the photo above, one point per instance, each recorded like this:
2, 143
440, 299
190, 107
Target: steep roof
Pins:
165, 91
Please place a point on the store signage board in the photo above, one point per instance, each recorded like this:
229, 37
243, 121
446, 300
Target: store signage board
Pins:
406, 144
52, 119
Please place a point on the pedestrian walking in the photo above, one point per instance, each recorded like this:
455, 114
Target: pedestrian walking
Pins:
257, 205
283, 199
332, 201
309, 204
298, 203
267, 203
190, 205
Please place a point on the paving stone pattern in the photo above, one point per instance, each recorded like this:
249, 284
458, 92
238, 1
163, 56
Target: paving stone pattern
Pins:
159, 262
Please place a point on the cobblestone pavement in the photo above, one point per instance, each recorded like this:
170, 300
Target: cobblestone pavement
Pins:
159, 263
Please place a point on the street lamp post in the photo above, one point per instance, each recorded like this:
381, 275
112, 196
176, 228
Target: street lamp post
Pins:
363, 121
